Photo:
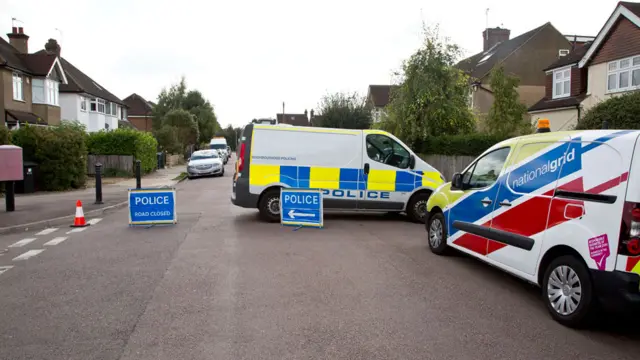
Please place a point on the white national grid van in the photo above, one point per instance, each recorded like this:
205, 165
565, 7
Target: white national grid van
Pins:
367, 170
560, 210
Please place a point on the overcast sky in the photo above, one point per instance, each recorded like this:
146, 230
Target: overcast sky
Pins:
247, 57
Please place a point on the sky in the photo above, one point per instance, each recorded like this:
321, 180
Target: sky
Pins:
248, 57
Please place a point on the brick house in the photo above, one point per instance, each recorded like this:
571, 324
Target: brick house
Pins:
30, 83
607, 67
524, 56
295, 119
139, 112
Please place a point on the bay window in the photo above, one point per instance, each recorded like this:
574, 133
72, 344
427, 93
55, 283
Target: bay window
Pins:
83, 104
561, 83
45, 91
623, 74
52, 92
37, 91
18, 93
97, 105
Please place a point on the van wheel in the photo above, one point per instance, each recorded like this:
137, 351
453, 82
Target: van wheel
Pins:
417, 207
567, 291
437, 234
270, 206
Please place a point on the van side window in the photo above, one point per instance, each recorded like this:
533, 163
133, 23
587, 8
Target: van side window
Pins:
486, 170
384, 149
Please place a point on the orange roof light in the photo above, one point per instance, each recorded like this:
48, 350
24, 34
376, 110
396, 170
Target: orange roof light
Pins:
543, 125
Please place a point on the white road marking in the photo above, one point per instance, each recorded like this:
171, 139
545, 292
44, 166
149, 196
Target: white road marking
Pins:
22, 243
47, 231
3, 269
94, 221
76, 230
28, 254
56, 241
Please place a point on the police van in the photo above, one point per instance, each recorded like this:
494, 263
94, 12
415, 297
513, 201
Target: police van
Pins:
368, 170
560, 210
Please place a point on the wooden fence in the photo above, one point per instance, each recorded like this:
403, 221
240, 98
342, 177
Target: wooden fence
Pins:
119, 163
448, 165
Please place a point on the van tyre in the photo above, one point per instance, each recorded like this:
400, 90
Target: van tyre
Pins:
567, 291
417, 207
270, 206
437, 234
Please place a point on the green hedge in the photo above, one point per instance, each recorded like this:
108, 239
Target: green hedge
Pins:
5, 135
620, 112
60, 152
461, 145
143, 146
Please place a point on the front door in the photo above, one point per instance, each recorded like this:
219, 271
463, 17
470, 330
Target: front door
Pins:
389, 182
469, 217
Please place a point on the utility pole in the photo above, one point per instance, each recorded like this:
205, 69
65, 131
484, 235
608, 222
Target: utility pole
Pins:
282, 113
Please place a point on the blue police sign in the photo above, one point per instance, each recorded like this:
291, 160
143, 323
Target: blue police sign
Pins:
302, 207
152, 206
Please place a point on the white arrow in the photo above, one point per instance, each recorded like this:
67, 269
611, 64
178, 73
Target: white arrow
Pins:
293, 214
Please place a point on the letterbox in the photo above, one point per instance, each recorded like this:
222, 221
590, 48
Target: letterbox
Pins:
11, 163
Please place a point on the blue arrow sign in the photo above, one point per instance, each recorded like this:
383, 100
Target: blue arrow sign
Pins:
152, 206
301, 207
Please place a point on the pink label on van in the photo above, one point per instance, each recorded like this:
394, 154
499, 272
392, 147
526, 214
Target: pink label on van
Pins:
599, 250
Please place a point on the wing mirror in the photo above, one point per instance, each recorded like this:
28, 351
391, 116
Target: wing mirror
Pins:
412, 162
456, 182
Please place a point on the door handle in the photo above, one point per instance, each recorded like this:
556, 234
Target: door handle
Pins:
505, 203
366, 168
486, 201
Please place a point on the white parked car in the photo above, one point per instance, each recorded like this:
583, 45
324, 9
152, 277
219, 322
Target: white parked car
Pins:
205, 163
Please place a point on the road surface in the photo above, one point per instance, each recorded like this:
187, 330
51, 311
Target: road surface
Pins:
223, 285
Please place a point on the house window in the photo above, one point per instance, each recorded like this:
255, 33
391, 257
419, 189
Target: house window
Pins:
563, 52
52, 92
17, 87
623, 74
101, 106
94, 104
83, 104
97, 105
37, 92
561, 83
113, 109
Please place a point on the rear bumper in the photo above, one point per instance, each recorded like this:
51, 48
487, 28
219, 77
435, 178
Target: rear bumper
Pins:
240, 195
617, 290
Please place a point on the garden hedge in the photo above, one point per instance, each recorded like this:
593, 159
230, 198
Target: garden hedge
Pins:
460, 145
143, 146
5, 135
620, 112
60, 152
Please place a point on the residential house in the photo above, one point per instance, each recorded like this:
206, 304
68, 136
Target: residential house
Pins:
524, 56
83, 99
597, 71
378, 97
30, 82
294, 119
139, 112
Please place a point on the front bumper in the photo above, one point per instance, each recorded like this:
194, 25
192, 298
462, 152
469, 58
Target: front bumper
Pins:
204, 172
617, 290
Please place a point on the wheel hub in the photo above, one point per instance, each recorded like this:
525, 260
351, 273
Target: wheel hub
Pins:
564, 290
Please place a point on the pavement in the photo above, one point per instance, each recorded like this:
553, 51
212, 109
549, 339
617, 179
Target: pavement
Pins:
40, 210
223, 285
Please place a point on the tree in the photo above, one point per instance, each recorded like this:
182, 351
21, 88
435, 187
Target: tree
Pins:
232, 135
184, 125
432, 96
168, 141
168, 100
345, 111
620, 112
507, 114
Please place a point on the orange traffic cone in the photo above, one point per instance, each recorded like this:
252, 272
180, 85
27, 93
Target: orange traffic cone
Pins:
79, 220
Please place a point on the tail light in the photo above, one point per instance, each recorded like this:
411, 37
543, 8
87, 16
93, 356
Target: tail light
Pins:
630, 244
241, 157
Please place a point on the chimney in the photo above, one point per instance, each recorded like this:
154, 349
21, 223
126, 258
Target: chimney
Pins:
19, 40
52, 47
492, 36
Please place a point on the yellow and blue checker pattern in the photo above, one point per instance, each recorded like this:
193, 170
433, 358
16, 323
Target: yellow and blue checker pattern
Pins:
315, 177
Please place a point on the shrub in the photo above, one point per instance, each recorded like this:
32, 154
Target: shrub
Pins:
620, 112
461, 145
141, 145
60, 152
5, 135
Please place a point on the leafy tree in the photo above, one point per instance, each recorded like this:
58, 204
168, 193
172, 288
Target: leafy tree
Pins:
432, 97
184, 124
620, 112
167, 101
232, 135
168, 140
507, 114
345, 111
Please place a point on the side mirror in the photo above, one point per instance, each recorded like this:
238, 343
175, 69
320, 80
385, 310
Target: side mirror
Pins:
456, 182
412, 162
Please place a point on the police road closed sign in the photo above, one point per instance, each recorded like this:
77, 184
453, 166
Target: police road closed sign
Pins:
301, 207
152, 206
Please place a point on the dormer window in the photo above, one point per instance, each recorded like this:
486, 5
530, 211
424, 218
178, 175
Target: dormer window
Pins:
561, 83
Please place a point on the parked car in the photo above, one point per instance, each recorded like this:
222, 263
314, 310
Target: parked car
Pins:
560, 210
205, 163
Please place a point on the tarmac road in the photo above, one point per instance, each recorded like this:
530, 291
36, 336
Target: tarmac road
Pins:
223, 285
